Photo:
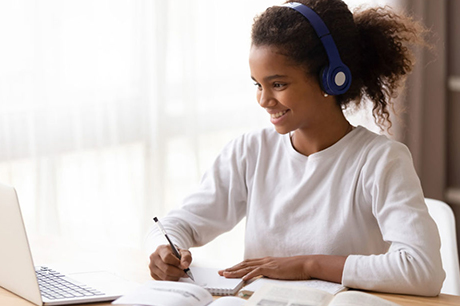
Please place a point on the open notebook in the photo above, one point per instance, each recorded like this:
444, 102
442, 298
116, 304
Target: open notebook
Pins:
209, 279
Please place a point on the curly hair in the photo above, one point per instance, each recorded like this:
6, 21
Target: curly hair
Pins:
374, 44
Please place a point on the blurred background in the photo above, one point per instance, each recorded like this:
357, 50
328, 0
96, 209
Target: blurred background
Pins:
111, 110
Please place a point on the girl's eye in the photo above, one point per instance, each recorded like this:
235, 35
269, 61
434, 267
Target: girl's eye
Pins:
278, 85
258, 86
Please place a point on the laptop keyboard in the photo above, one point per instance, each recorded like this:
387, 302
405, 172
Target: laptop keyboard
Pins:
54, 285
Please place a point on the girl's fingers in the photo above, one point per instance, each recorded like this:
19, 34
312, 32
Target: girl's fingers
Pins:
244, 264
238, 273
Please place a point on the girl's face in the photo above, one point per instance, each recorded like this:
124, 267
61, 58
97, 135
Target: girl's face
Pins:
293, 99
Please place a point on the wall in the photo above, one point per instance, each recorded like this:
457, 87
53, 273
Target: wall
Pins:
452, 194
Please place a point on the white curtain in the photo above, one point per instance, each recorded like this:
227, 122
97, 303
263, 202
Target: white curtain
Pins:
111, 110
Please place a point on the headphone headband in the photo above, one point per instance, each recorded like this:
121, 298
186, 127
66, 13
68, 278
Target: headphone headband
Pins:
336, 76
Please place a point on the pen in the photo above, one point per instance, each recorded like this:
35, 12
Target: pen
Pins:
173, 247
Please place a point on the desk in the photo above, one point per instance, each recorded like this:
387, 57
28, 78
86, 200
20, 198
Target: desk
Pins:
133, 265
9, 299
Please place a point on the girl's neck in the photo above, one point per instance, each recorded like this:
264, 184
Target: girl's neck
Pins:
314, 139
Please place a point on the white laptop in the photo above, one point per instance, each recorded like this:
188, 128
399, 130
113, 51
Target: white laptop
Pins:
18, 274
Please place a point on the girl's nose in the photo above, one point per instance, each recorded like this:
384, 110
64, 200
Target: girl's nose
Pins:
266, 99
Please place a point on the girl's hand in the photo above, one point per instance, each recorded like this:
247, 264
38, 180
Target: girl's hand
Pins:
271, 267
325, 267
164, 265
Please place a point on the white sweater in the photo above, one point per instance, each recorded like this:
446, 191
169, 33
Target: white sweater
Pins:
359, 198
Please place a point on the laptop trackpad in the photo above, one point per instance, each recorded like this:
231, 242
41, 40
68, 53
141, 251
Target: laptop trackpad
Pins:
103, 281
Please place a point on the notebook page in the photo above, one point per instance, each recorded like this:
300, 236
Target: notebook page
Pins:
209, 279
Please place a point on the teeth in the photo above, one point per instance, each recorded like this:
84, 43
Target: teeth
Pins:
277, 115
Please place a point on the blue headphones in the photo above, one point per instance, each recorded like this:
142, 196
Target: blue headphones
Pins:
335, 78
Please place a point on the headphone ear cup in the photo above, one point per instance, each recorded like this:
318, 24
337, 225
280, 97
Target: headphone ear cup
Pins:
324, 82
335, 81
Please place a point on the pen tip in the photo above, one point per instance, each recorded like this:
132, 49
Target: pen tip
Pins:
189, 273
155, 219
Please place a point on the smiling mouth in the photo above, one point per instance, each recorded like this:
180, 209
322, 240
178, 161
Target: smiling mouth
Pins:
280, 114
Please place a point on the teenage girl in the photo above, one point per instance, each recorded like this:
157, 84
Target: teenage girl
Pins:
322, 199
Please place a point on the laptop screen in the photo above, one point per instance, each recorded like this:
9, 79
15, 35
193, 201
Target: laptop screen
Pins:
17, 272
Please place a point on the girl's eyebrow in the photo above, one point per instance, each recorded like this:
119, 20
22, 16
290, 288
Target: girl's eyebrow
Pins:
271, 77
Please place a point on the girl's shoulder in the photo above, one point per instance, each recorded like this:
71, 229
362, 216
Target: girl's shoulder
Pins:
376, 147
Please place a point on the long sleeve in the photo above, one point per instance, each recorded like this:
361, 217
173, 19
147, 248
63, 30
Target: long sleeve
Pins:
412, 264
216, 207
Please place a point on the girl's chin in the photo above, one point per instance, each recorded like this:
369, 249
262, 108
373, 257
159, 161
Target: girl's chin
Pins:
282, 130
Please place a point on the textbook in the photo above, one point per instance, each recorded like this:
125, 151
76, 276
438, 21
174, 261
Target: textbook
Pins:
283, 295
332, 288
164, 293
